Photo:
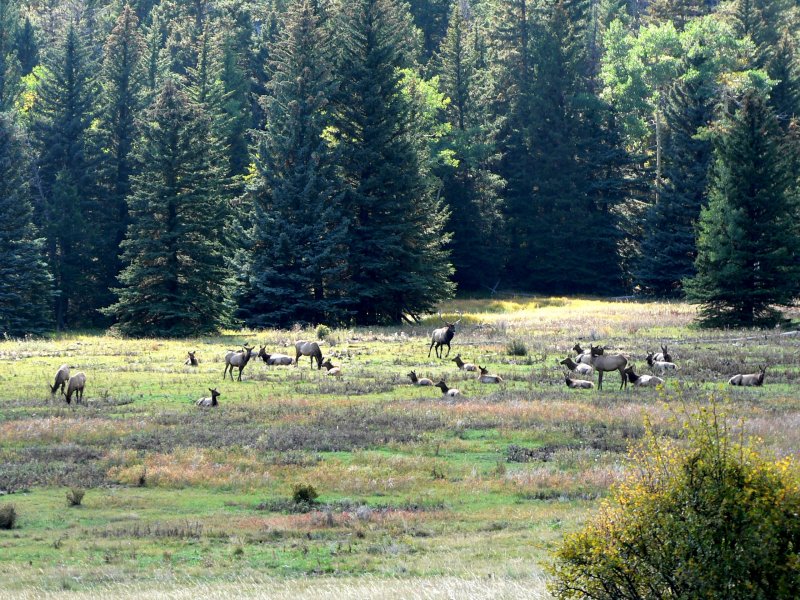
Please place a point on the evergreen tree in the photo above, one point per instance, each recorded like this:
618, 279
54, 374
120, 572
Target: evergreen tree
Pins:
174, 281
677, 11
397, 265
26, 293
746, 259
27, 48
299, 254
9, 65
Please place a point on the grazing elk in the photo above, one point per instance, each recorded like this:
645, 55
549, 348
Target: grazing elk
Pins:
62, 376
608, 362
418, 381
462, 365
332, 370
484, 376
448, 391
642, 380
75, 386
237, 359
274, 359
753, 379
580, 368
578, 384
191, 360
443, 336
308, 349
660, 365
584, 356
207, 402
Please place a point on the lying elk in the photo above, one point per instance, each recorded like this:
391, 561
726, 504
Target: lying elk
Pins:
660, 365
209, 401
237, 359
62, 376
484, 377
753, 379
584, 356
333, 370
580, 368
462, 365
642, 380
75, 386
274, 359
308, 349
191, 360
664, 355
448, 391
443, 336
608, 362
417, 380
577, 384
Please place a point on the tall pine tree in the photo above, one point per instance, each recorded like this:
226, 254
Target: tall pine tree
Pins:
174, 282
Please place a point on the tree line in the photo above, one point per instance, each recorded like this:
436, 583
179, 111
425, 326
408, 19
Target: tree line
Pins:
177, 167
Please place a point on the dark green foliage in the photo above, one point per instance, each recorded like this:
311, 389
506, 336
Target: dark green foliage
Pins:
747, 263
9, 64
25, 294
27, 48
8, 516
175, 282
304, 493
677, 11
711, 520
75, 496
299, 252
396, 265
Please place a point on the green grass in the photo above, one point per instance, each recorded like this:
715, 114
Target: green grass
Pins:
416, 491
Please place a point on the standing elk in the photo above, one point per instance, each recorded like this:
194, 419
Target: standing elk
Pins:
443, 336
191, 360
207, 402
237, 359
418, 380
274, 359
62, 376
308, 349
608, 362
75, 386
462, 365
753, 379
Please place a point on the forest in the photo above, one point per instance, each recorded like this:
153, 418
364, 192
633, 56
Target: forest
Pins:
177, 167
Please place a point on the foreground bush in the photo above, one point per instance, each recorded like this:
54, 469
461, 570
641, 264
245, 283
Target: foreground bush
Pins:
8, 516
711, 519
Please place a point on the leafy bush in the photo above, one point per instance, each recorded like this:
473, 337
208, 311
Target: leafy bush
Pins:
75, 496
322, 331
710, 518
8, 516
303, 493
517, 348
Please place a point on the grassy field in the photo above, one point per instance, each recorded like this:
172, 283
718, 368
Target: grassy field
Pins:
419, 497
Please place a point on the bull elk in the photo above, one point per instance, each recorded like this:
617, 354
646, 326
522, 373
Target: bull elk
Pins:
442, 336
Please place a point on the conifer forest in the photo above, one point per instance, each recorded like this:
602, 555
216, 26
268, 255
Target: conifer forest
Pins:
177, 167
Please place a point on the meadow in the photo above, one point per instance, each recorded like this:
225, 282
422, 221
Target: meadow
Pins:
418, 496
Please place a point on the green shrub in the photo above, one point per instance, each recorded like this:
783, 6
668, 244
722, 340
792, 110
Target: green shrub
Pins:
303, 493
322, 331
709, 518
517, 348
75, 496
8, 516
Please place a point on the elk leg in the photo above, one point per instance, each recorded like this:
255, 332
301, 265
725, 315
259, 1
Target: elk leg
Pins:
448, 350
624, 381
431, 348
600, 380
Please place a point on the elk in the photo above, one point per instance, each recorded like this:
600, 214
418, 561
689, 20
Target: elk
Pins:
75, 386
62, 376
274, 359
237, 359
191, 360
418, 381
580, 368
447, 391
584, 356
608, 362
462, 365
642, 380
308, 349
443, 336
484, 376
207, 402
577, 384
664, 355
659, 365
753, 379
333, 371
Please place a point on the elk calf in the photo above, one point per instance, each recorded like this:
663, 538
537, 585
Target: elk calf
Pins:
752, 379
207, 402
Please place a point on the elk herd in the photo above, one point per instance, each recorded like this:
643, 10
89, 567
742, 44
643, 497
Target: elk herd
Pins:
584, 364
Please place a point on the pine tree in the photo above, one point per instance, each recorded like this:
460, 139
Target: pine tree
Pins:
174, 282
9, 65
747, 263
677, 11
299, 251
26, 292
397, 265
27, 48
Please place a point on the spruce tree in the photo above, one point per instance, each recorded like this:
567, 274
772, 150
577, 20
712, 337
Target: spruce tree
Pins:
397, 265
27, 48
174, 282
747, 262
299, 250
9, 65
26, 292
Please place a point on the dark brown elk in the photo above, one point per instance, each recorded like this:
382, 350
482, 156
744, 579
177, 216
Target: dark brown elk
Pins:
608, 362
207, 402
75, 386
753, 379
62, 376
442, 337
191, 360
237, 359
308, 349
